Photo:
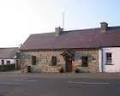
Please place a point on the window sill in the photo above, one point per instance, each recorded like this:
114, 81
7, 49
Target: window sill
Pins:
109, 64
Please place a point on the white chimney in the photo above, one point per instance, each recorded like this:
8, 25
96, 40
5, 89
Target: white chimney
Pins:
58, 31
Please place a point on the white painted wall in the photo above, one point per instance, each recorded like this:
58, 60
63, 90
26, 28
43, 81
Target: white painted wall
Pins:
115, 59
12, 61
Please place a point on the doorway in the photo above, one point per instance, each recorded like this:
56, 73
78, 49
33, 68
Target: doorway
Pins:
68, 65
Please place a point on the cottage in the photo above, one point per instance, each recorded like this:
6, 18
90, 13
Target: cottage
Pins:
88, 50
8, 57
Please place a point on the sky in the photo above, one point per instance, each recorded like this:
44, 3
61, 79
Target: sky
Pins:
20, 18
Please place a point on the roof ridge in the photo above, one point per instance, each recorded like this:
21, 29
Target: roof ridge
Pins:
96, 28
42, 33
84, 29
8, 47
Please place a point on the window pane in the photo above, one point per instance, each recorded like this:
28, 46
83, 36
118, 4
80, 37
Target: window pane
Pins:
8, 62
108, 58
33, 60
54, 60
84, 61
2, 61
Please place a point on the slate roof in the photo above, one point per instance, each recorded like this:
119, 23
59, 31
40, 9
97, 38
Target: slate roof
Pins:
8, 53
87, 38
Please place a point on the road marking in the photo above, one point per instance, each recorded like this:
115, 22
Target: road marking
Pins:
89, 83
27, 80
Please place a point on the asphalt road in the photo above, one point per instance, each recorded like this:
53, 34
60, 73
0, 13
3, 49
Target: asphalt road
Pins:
36, 85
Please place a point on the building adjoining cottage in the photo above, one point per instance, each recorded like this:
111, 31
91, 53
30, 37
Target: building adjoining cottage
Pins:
87, 50
8, 59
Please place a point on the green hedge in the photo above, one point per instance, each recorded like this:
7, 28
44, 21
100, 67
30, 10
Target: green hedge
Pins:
7, 67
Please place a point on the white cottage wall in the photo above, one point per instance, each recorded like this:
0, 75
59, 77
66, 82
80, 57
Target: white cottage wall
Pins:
12, 61
115, 66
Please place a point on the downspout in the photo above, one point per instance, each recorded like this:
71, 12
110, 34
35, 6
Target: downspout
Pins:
102, 66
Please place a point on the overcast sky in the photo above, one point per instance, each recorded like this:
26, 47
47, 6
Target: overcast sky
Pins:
20, 18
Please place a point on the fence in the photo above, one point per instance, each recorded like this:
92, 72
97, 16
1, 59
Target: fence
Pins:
8, 67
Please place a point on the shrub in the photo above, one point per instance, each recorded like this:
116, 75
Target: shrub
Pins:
7, 67
61, 70
77, 70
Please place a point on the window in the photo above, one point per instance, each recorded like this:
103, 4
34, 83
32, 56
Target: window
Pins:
54, 61
8, 62
33, 60
108, 58
2, 62
84, 61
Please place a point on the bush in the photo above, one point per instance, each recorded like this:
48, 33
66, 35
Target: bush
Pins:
61, 70
7, 67
77, 70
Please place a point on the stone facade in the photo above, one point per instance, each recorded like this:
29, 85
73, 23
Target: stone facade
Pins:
43, 60
93, 60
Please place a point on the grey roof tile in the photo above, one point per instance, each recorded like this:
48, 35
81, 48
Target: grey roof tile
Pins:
8, 53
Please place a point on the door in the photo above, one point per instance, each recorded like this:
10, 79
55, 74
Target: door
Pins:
69, 65
17, 66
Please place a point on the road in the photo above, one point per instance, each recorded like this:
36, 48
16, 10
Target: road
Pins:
50, 85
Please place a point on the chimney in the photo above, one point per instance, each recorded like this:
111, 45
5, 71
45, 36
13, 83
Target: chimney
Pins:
104, 26
58, 31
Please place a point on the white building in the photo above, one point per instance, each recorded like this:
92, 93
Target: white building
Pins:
109, 59
8, 56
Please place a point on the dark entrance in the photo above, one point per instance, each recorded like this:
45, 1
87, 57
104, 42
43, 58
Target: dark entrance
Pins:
28, 69
68, 65
17, 64
68, 57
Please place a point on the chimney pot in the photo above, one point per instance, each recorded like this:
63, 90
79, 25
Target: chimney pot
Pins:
104, 26
58, 31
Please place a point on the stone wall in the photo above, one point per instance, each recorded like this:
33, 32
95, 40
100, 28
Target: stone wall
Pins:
43, 63
93, 60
